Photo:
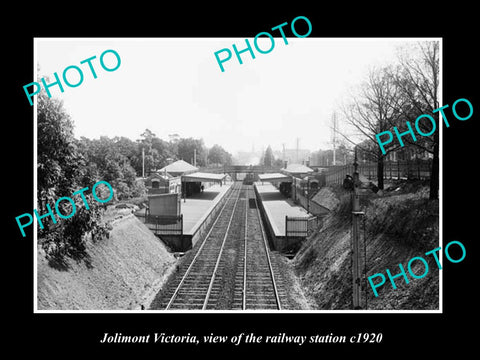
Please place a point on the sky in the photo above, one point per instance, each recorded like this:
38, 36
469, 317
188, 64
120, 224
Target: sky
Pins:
175, 86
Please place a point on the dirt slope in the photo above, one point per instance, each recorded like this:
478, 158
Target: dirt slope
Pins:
122, 272
326, 197
398, 225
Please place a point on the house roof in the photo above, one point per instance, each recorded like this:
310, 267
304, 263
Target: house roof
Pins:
160, 175
179, 166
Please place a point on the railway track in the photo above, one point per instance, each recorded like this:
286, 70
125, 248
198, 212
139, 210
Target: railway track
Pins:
260, 287
231, 269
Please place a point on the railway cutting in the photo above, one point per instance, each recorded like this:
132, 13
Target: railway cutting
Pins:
231, 267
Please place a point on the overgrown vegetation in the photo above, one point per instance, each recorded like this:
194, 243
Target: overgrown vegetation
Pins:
409, 218
399, 224
61, 171
66, 164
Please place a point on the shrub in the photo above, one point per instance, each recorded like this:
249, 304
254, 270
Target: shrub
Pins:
68, 236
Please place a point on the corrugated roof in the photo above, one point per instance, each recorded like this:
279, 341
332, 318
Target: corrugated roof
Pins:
274, 176
200, 176
179, 166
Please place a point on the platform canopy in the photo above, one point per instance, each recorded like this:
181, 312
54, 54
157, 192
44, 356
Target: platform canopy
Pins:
297, 169
201, 176
275, 177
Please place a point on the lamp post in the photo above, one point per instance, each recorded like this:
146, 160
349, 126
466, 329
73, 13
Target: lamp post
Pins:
294, 189
308, 192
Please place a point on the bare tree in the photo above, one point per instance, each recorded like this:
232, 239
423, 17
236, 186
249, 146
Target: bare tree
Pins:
375, 109
418, 81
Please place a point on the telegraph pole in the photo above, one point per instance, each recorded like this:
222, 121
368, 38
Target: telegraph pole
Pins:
356, 213
334, 140
298, 141
143, 162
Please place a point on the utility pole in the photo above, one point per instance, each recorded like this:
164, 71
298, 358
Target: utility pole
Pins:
194, 156
298, 142
143, 162
356, 213
334, 137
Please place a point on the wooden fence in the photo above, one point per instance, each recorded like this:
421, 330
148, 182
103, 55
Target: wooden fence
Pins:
415, 169
296, 226
164, 224
306, 201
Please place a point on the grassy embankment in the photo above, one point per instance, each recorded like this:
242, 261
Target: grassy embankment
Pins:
123, 271
399, 224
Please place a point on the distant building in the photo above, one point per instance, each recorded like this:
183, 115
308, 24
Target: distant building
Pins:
408, 152
294, 156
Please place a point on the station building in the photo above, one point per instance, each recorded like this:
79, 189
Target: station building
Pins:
162, 183
173, 183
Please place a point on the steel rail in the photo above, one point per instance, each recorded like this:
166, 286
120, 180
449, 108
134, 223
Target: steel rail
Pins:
175, 294
244, 290
265, 243
207, 297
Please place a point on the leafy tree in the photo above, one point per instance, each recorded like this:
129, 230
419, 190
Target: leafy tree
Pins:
163, 152
186, 148
151, 155
110, 160
68, 236
57, 158
59, 164
218, 155
127, 148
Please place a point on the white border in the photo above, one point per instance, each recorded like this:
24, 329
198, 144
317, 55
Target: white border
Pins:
240, 312
35, 133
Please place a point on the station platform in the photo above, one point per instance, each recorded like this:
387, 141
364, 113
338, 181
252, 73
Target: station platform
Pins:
197, 208
198, 211
275, 207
